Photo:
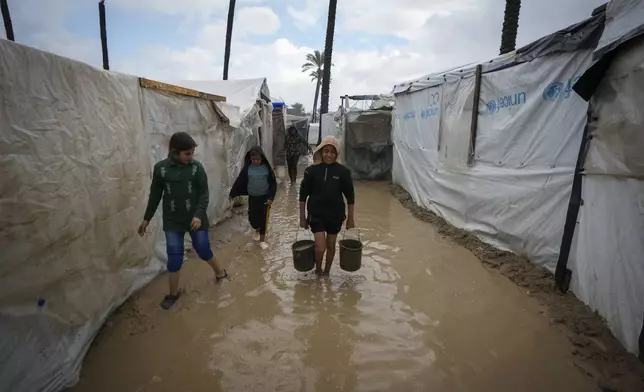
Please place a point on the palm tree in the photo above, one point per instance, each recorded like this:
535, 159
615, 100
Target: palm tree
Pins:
326, 70
510, 26
6, 16
297, 109
314, 64
229, 36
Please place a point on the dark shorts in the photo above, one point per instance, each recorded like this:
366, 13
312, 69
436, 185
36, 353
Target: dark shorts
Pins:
257, 209
330, 226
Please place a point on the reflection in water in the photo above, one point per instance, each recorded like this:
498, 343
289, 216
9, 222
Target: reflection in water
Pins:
421, 314
329, 340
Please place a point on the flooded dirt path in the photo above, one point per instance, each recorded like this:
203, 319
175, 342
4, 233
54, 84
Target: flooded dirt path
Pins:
422, 314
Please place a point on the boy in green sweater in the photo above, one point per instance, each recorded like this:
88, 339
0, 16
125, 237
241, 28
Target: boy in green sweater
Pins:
182, 183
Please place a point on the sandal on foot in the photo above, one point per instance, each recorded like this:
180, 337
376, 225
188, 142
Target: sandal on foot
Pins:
224, 276
168, 301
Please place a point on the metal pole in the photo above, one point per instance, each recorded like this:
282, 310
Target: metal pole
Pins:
6, 16
103, 27
475, 115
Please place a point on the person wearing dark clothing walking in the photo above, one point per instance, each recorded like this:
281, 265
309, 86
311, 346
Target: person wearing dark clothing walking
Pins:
257, 180
294, 147
323, 190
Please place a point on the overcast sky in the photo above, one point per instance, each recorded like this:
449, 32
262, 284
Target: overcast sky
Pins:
378, 43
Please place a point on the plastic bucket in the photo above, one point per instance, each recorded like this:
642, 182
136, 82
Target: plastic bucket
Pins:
281, 172
350, 254
303, 254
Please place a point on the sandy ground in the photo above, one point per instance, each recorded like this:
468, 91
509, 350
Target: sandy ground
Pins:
423, 313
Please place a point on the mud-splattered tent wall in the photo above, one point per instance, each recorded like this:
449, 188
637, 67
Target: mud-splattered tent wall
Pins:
78, 147
505, 170
603, 243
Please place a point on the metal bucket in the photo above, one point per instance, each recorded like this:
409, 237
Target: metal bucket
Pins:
350, 253
303, 254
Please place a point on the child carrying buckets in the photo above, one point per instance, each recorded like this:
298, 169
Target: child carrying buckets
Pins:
324, 188
257, 180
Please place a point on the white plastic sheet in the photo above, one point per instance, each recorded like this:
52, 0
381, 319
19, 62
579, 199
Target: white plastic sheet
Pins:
624, 21
529, 116
455, 123
606, 256
241, 92
314, 133
522, 173
618, 132
77, 146
250, 95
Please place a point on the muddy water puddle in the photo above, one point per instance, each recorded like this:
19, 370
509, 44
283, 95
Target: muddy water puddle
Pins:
421, 314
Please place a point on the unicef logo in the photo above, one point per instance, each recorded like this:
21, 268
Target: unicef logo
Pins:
491, 106
553, 91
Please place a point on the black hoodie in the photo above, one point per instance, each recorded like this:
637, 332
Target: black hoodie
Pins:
240, 187
324, 186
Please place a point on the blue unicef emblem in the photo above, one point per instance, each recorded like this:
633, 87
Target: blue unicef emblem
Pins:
553, 91
491, 106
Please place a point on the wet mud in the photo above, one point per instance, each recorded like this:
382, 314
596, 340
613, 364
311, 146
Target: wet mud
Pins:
423, 313
598, 354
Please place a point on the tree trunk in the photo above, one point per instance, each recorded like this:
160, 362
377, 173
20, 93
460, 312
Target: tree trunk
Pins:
315, 100
6, 16
326, 71
103, 27
510, 26
229, 36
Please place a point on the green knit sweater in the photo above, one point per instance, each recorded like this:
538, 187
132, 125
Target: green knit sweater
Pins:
184, 190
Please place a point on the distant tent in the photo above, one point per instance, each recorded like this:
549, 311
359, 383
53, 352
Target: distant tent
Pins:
253, 98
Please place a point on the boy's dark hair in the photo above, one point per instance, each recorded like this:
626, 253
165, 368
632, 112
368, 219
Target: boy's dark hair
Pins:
181, 141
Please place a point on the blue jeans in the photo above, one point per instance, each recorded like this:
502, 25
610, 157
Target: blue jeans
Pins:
175, 249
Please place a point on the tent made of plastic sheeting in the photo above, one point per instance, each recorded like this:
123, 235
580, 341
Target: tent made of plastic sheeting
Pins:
78, 148
526, 144
279, 133
623, 23
252, 96
603, 241
332, 124
368, 148
300, 123
507, 172
314, 133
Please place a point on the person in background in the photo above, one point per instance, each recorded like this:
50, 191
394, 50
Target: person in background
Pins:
257, 180
294, 147
182, 183
321, 194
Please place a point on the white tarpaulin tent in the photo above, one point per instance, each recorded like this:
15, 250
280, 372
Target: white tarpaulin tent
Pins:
252, 96
78, 147
606, 251
511, 185
525, 153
